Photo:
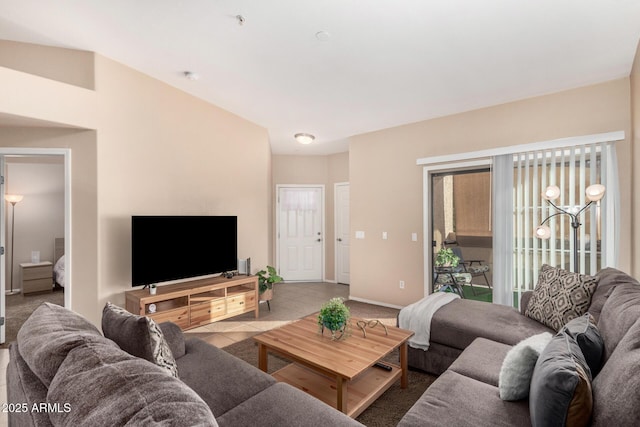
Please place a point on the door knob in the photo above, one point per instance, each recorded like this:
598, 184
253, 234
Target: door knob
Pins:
319, 240
339, 239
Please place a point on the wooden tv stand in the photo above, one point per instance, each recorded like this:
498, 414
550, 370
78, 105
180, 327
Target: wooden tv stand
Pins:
197, 302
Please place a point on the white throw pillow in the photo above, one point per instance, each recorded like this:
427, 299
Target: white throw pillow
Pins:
518, 364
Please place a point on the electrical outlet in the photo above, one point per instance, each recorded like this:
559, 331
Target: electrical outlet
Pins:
401, 284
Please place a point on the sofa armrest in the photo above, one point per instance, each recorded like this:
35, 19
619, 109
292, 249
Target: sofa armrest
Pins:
524, 301
174, 337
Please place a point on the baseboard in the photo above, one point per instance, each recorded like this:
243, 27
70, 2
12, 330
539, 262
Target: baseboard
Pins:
368, 301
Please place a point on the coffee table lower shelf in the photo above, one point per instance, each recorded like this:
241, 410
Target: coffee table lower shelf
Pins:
361, 391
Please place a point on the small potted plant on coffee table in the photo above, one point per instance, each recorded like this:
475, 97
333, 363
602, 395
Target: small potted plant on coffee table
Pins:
334, 315
266, 279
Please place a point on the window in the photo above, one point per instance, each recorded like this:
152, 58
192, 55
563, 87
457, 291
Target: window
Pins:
572, 169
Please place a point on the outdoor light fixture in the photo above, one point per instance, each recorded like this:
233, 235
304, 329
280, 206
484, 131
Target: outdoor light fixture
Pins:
304, 138
594, 193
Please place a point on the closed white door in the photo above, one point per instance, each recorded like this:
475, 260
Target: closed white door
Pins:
300, 233
342, 233
3, 257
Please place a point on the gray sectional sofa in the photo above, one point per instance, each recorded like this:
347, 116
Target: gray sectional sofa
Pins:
63, 371
470, 339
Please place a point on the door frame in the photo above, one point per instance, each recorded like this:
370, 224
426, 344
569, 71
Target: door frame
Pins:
335, 227
427, 226
66, 153
322, 214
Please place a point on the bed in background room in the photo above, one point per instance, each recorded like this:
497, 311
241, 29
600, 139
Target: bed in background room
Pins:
58, 262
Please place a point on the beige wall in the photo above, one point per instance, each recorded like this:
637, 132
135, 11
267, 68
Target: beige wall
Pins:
322, 170
149, 148
156, 150
386, 184
84, 236
635, 175
64, 65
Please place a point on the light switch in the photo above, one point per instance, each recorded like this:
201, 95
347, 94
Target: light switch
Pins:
359, 234
384, 235
414, 237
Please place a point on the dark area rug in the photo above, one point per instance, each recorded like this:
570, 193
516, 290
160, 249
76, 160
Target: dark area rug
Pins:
19, 307
389, 408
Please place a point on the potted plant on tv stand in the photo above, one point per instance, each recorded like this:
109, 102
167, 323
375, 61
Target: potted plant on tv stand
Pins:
266, 279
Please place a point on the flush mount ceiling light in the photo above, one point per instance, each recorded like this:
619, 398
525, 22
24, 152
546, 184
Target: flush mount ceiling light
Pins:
304, 138
323, 36
191, 75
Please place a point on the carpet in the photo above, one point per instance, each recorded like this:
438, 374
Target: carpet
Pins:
389, 408
19, 307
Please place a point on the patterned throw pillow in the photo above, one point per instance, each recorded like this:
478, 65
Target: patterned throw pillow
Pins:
560, 296
139, 336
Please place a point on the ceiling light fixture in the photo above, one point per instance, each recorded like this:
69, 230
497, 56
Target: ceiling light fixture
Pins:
323, 36
304, 138
191, 75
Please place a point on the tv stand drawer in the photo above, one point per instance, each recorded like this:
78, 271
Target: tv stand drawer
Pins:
241, 302
206, 312
179, 316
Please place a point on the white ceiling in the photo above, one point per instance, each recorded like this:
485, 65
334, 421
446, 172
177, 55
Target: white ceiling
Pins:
385, 63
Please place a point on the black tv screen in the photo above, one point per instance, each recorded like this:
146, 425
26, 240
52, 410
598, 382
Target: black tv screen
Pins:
165, 248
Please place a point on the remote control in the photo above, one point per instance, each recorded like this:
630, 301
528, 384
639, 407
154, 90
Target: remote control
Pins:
383, 366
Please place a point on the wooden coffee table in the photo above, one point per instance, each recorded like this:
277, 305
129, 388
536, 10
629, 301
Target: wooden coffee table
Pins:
340, 373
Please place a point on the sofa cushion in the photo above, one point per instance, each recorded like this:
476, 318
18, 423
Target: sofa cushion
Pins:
608, 279
293, 408
99, 384
241, 380
481, 361
619, 312
616, 390
49, 334
139, 336
24, 387
517, 366
175, 338
584, 331
456, 400
461, 321
561, 385
560, 296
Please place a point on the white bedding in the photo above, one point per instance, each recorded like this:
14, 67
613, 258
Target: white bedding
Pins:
416, 317
58, 271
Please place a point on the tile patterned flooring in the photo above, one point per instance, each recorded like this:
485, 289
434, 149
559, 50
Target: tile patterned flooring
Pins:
291, 301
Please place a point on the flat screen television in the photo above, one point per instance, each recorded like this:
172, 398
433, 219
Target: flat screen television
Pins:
166, 248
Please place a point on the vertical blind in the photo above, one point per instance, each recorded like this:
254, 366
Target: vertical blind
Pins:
572, 169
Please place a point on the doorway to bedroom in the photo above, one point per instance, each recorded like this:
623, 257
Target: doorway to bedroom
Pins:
34, 236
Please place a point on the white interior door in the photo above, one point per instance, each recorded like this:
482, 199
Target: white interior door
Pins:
342, 233
3, 256
301, 233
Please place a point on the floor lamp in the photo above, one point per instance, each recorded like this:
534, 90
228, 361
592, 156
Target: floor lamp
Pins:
13, 199
594, 193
